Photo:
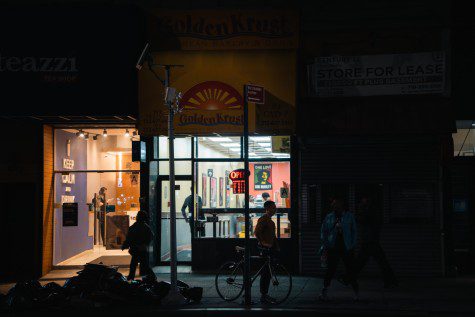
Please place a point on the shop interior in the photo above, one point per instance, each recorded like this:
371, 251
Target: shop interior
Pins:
202, 166
97, 191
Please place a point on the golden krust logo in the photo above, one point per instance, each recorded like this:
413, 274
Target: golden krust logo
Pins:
222, 104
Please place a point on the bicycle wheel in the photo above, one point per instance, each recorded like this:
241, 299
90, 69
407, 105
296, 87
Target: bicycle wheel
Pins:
280, 284
230, 281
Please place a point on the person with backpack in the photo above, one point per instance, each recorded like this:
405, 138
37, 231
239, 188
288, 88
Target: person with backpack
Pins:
137, 241
338, 236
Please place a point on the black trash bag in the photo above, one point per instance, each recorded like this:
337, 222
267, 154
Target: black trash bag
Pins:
72, 286
193, 294
161, 289
24, 295
149, 278
182, 284
52, 294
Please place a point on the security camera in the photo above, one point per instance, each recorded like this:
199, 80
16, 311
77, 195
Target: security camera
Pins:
143, 57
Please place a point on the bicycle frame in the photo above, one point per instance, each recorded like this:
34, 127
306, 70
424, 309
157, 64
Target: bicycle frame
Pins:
256, 275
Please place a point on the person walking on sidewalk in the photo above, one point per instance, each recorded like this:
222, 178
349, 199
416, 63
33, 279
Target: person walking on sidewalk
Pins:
265, 234
137, 241
338, 235
370, 220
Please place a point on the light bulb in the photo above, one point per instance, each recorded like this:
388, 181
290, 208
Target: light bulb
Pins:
104, 133
81, 133
127, 134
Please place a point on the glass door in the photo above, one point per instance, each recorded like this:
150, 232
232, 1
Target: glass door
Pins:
183, 190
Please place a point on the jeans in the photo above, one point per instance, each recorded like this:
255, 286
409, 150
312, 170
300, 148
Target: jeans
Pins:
264, 281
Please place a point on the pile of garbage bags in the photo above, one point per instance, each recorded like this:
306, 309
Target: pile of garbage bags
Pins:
95, 286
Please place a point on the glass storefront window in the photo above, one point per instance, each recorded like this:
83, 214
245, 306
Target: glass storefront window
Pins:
219, 147
182, 148
232, 225
214, 185
97, 194
181, 167
464, 138
94, 149
269, 147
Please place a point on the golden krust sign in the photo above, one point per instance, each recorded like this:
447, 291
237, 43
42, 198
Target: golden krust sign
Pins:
215, 30
221, 52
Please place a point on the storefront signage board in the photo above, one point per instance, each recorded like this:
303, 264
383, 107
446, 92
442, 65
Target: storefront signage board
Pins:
212, 87
225, 29
372, 75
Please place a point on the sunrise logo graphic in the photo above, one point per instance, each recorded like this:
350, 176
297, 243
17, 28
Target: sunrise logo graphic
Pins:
212, 95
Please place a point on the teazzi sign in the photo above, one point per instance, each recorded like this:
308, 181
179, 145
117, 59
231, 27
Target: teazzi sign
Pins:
215, 30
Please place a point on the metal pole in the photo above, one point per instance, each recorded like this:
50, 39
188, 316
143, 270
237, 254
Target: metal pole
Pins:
247, 251
171, 155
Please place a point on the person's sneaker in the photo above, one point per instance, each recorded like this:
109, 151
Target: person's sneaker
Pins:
323, 295
266, 299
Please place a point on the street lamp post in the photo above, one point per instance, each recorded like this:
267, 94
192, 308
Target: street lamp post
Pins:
172, 100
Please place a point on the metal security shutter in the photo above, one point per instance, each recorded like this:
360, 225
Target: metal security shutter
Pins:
408, 170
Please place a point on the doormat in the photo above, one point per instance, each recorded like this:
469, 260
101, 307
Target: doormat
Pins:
121, 260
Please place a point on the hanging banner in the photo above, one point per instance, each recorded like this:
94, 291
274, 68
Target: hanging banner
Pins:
372, 75
224, 30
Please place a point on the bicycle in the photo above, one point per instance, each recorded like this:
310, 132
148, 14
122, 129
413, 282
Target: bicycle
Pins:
229, 280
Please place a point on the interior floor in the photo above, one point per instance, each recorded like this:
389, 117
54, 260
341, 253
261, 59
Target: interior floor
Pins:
91, 255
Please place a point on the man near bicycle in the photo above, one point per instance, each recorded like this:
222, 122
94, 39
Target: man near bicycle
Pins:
265, 234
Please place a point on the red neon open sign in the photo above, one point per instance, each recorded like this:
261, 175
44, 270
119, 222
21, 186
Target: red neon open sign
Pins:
239, 174
238, 177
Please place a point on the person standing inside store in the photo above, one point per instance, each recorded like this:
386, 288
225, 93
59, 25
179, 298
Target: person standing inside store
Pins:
265, 196
100, 204
188, 204
137, 241
338, 236
370, 222
265, 234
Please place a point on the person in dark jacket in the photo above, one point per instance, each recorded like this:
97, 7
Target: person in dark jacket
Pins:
370, 222
137, 241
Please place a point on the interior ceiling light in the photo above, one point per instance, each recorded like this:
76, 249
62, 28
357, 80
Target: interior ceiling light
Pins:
220, 139
230, 144
127, 134
86, 136
260, 138
94, 137
252, 154
135, 133
81, 133
235, 149
104, 133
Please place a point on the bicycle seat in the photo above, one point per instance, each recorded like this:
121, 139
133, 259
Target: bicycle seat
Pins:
239, 249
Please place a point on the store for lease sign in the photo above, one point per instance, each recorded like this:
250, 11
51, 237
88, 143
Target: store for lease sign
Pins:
203, 30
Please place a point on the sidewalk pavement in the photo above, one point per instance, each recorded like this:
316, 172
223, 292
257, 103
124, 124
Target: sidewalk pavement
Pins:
414, 296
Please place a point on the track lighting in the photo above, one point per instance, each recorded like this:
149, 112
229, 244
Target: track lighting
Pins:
104, 133
94, 137
86, 136
80, 134
135, 133
127, 134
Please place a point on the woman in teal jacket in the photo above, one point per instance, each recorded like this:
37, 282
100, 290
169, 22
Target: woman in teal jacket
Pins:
339, 241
